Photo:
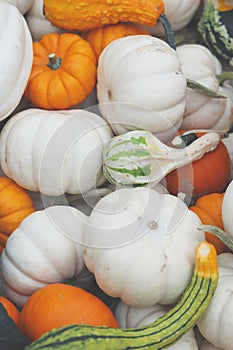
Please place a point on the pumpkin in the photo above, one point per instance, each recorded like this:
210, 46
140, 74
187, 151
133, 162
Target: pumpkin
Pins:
99, 38
140, 86
133, 222
22, 5
198, 179
10, 308
162, 333
95, 14
216, 324
179, 14
52, 152
215, 26
139, 158
15, 59
63, 71
37, 22
209, 210
228, 142
132, 317
58, 305
203, 112
15, 204
44, 249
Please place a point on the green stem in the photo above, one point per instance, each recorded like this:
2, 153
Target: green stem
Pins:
222, 235
203, 89
168, 30
54, 62
224, 76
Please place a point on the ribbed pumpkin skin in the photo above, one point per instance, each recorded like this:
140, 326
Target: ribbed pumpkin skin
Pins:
57, 305
15, 204
92, 14
11, 309
209, 210
209, 174
67, 83
101, 37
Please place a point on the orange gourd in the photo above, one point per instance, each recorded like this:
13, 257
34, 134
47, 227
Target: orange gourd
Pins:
11, 309
15, 205
91, 14
209, 174
209, 210
59, 304
63, 71
101, 37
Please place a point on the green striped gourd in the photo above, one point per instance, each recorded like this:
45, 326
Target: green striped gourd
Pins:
138, 157
161, 334
216, 28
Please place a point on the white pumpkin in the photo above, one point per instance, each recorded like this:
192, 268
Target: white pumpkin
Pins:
37, 22
15, 59
45, 248
217, 322
227, 209
202, 112
140, 86
205, 345
54, 152
131, 317
140, 245
22, 5
179, 14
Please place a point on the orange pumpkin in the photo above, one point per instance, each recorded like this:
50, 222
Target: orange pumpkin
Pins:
15, 205
11, 309
209, 210
63, 71
59, 304
101, 37
209, 174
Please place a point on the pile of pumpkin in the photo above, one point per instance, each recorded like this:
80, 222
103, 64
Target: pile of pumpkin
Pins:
116, 158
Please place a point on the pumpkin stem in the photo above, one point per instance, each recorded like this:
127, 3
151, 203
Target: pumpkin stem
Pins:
203, 89
54, 62
224, 76
168, 29
222, 235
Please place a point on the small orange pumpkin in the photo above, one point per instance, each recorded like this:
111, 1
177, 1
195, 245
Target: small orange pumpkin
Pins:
15, 205
101, 37
63, 71
209, 210
59, 304
209, 174
11, 309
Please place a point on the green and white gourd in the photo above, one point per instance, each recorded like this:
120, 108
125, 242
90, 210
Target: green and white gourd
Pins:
216, 28
161, 334
138, 157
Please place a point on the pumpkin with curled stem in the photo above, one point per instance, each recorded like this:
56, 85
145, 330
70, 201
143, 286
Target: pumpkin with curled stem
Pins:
63, 71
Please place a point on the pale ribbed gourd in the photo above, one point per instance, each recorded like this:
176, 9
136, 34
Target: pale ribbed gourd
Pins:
139, 158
